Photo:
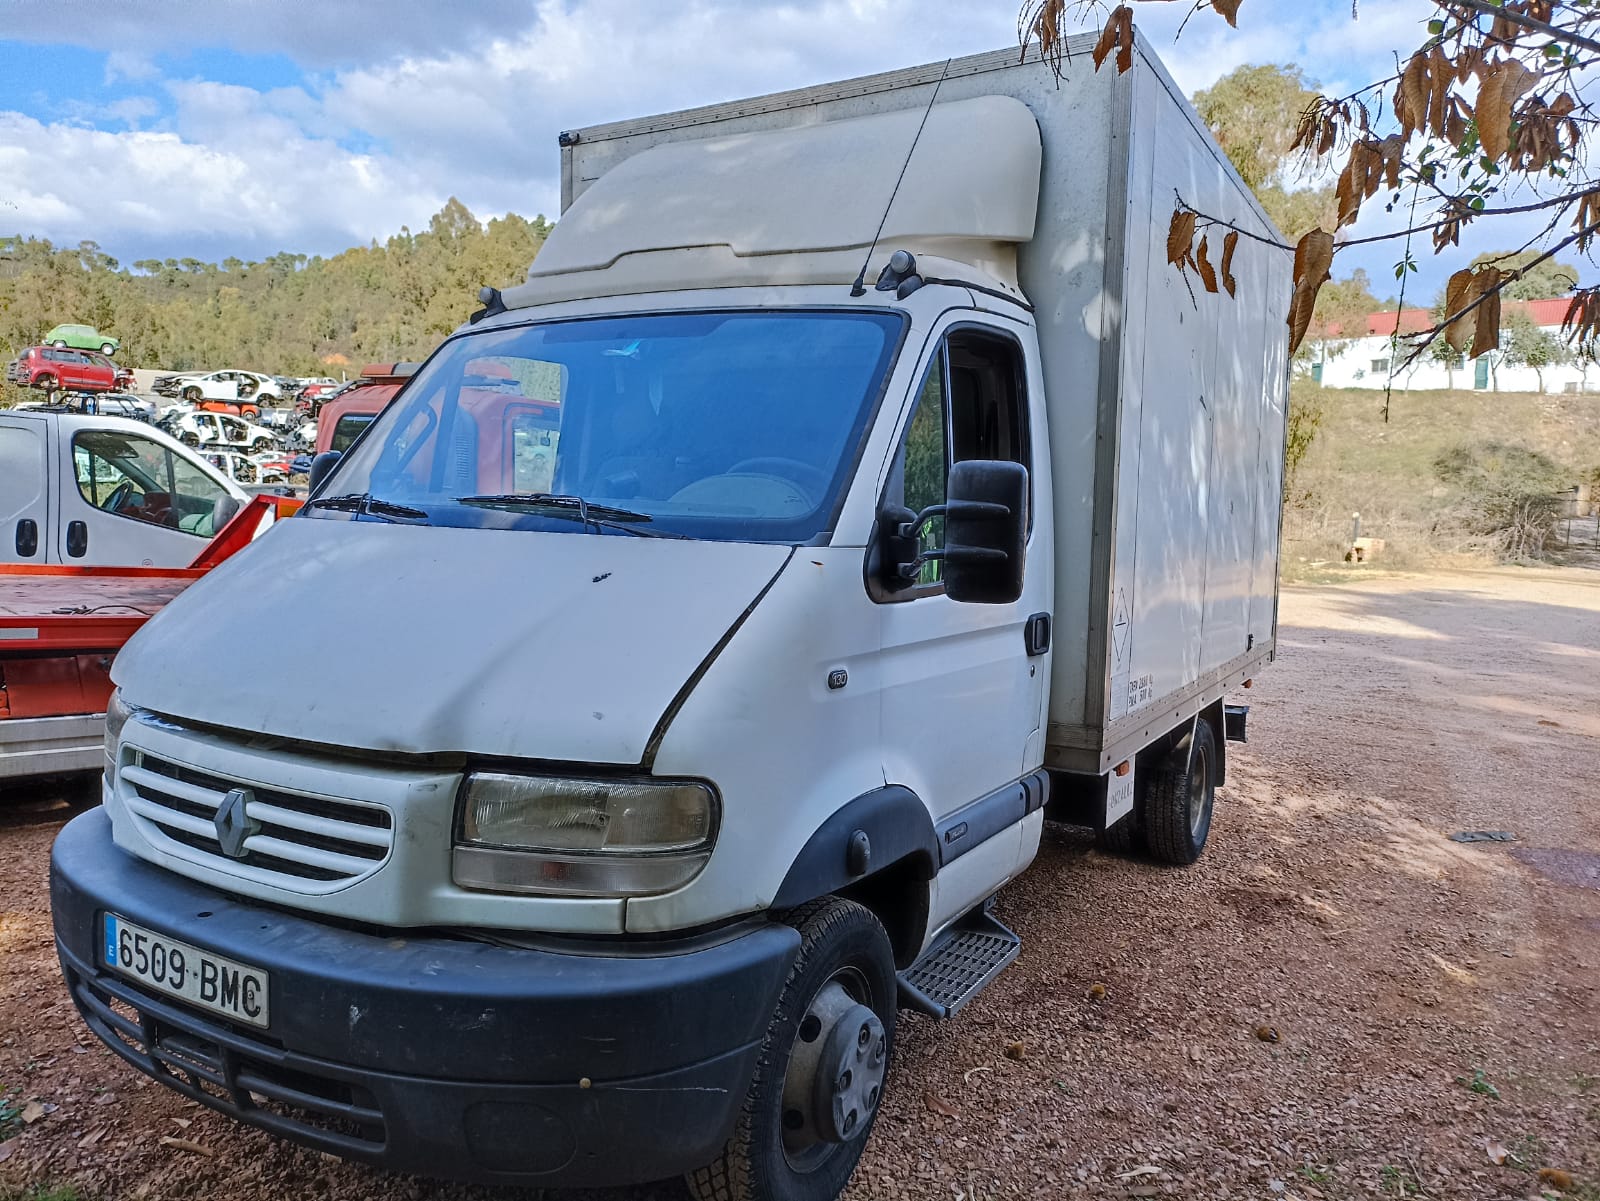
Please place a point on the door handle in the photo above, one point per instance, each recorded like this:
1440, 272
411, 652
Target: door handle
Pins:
1037, 634
77, 539
27, 538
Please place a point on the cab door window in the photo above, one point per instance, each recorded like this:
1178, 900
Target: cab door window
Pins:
139, 479
972, 405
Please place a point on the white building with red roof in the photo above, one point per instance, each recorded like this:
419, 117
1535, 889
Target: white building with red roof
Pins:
1379, 357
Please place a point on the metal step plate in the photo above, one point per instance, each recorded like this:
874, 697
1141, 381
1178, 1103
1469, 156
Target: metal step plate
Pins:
958, 966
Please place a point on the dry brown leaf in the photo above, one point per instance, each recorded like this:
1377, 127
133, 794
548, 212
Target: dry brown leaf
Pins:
1017, 1050
1440, 73
32, 1112
90, 1139
6, 1148
189, 1145
1208, 273
1180, 234
1486, 329
1097, 992
1502, 87
1498, 1154
1411, 95
1229, 10
937, 1104
1557, 1179
1117, 35
1458, 293
1313, 258
1268, 1034
1228, 245
1391, 153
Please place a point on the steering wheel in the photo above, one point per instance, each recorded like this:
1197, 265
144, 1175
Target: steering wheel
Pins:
119, 497
810, 480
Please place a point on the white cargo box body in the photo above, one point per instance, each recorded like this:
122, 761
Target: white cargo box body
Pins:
1166, 404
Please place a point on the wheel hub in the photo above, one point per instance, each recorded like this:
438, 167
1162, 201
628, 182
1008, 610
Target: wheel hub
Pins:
836, 1071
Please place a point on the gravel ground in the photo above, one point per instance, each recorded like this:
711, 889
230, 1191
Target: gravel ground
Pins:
1336, 1002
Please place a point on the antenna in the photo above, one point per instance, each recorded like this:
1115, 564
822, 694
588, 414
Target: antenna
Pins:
859, 288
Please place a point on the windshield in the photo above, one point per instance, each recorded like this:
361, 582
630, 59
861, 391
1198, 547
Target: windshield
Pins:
733, 426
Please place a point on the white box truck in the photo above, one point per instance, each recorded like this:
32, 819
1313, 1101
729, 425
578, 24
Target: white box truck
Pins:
700, 639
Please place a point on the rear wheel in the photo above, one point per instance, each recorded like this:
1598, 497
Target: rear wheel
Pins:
108, 350
821, 1071
47, 382
1182, 791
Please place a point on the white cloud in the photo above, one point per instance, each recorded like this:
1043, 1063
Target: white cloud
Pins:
156, 193
130, 65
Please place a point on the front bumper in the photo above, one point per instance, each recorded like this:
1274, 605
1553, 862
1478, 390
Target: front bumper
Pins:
561, 1065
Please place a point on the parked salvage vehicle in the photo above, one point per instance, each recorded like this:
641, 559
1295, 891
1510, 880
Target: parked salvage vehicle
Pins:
52, 369
222, 430
104, 491
249, 389
81, 337
696, 642
342, 419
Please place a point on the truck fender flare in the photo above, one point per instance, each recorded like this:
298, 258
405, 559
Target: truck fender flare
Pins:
876, 830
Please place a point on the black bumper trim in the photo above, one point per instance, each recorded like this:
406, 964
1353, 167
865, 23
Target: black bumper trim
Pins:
577, 1069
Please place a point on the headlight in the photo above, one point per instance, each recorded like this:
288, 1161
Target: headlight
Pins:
117, 713
593, 838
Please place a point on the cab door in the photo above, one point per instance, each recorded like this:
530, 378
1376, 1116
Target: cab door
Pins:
130, 501
24, 490
963, 692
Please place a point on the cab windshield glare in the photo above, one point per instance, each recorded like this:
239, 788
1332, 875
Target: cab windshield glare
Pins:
733, 426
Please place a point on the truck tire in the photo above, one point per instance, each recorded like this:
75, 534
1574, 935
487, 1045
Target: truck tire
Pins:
822, 1066
1182, 790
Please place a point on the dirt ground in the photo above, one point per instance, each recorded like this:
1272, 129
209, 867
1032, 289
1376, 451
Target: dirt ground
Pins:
1336, 1002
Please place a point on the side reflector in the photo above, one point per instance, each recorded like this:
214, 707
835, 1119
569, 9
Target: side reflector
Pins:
1122, 768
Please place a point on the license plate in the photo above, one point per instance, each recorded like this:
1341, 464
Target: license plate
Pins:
180, 970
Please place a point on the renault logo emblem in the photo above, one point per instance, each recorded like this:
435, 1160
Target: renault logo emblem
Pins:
233, 823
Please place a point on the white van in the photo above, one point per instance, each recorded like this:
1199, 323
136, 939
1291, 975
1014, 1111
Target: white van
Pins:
699, 639
93, 491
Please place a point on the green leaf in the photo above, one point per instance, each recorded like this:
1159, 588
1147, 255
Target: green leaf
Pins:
1476, 204
1436, 27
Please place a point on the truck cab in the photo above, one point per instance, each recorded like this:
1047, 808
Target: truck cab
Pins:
95, 491
698, 641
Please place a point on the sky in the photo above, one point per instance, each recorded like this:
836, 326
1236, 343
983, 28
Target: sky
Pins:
217, 128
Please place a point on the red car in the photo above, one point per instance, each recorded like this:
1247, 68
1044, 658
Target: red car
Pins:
51, 367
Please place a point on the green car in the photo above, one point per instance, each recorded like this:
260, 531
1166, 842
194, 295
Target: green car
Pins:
83, 337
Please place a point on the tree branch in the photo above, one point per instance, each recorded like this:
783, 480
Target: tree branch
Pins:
1554, 32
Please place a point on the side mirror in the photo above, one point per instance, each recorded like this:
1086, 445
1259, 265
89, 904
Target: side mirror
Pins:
985, 535
321, 467
986, 531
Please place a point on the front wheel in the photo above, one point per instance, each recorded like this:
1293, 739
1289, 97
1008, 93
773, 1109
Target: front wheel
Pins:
108, 350
822, 1068
59, 344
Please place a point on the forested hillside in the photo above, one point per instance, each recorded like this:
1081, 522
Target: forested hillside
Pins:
288, 314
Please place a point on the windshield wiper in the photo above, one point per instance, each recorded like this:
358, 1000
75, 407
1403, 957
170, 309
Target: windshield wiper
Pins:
366, 505
603, 516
